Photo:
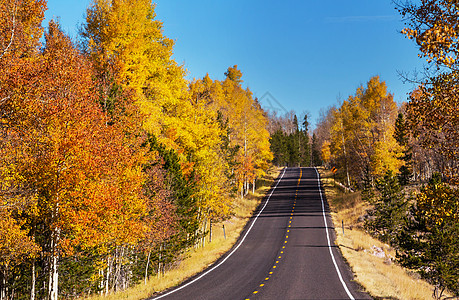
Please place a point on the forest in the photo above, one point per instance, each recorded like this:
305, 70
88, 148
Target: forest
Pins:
106, 147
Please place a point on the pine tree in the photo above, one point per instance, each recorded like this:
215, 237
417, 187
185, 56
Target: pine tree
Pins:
305, 152
389, 209
316, 153
401, 136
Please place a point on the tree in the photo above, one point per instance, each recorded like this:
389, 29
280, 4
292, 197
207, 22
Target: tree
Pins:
316, 153
401, 136
433, 120
305, 146
234, 74
389, 209
432, 24
428, 242
20, 27
84, 179
432, 111
248, 128
361, 134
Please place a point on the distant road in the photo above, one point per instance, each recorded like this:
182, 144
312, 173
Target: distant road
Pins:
285, 252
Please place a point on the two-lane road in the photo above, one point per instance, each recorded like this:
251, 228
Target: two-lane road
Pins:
285, 252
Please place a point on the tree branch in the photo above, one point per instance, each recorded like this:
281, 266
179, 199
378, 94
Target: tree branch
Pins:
13, 27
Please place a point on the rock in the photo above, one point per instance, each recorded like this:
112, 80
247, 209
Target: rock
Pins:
378, 252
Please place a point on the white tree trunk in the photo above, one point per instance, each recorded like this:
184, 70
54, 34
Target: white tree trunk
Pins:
159, 260
53, 284
101, 284
53, 273
32, 289
3, 287
146, 268
107, 278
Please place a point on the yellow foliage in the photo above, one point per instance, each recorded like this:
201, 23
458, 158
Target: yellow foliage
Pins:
15, 244
362, 132
326, 155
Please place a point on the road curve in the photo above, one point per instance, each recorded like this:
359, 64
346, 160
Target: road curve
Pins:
285, 252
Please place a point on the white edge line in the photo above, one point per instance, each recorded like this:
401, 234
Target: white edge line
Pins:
231, 253
328, 240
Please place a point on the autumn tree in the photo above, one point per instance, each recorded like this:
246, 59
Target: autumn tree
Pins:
82, 174
361, 134
105, 150
20, 31
323, 134
433, 106
428, 242
248, 128
20, 27
434, 123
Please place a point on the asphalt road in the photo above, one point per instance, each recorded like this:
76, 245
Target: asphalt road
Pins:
285, 252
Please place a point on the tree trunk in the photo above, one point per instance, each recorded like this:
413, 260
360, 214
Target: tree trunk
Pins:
53, 273
210, 231
159, 260
53, 270
32, 289
107, 278
146, 268
3, 286
101, 284
203, 239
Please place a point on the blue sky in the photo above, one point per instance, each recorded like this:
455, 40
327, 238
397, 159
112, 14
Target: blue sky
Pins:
305, 54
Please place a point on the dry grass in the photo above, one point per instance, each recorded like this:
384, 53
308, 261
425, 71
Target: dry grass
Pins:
380, 277
196, 260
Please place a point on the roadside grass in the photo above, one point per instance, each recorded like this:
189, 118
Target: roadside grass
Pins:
380, 277
195, 261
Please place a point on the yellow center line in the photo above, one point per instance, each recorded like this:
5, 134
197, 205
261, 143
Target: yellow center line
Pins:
288, 230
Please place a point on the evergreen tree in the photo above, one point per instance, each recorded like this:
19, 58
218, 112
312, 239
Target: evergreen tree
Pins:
316, 156
305, 145
389, 209
401, 136
279, 147
293, 151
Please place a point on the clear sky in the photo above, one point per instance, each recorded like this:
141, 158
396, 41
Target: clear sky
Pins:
306, 54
